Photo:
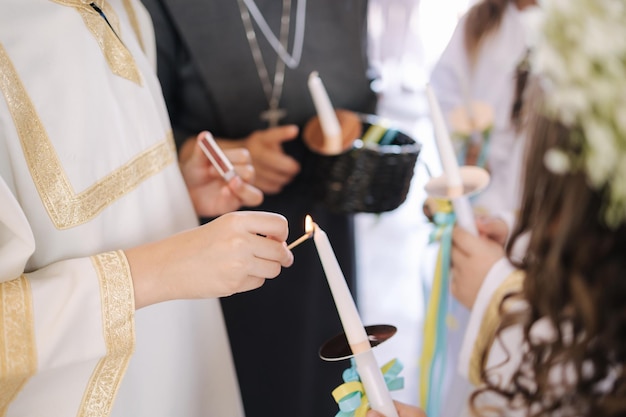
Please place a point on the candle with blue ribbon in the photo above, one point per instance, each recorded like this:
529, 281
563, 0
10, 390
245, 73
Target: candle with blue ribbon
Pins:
356, 335
351, 396
455, 191
453, 206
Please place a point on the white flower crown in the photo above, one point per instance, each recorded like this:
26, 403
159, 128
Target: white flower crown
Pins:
581, 53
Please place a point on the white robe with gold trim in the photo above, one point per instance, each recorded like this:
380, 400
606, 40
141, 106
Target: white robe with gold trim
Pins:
503, 352
87, 169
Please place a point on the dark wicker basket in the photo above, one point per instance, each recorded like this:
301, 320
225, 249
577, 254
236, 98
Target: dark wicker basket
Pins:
367, 178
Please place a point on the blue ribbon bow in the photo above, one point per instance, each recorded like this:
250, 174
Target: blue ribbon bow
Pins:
351, 396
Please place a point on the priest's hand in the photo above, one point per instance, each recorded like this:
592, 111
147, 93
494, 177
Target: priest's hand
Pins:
210, 194
472, 258
404, 410
273, 167
234, 253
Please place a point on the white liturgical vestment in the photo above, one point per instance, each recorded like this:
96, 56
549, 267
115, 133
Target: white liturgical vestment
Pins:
88, 168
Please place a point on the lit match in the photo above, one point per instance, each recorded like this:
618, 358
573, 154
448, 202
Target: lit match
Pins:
309, 229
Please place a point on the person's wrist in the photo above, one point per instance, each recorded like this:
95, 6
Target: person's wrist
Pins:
186, 150
146, 272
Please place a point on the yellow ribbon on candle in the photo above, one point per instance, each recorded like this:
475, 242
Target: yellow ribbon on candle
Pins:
351, 395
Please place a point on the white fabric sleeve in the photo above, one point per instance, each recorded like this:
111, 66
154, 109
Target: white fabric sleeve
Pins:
16, 238
498, 273
65, 324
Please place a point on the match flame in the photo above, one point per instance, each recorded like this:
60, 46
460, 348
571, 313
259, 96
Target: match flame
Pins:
309, 226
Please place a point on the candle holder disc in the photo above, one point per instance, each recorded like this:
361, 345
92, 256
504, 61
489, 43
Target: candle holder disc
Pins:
337, 348
475, 180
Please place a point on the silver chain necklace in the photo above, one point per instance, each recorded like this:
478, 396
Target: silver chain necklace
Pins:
273, 91
292, 60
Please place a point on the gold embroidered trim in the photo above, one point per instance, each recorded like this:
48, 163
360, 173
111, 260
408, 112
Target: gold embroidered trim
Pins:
18, 354
65, 207
134, 22
491, 320
118, 57
118, 308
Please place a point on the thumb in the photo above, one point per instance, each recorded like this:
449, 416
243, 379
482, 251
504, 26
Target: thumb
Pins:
374, 413
285, 133
197, 156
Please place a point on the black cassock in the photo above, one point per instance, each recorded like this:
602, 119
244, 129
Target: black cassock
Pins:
210, 82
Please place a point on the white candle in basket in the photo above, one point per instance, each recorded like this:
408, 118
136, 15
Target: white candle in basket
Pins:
326, 113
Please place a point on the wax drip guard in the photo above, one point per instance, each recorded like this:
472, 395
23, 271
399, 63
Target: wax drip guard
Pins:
337, 348
474, 179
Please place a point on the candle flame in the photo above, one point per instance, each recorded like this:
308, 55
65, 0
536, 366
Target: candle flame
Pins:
308, 224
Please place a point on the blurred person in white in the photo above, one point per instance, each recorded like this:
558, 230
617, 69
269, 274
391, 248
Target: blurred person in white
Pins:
486, 62
98, 227
547, 339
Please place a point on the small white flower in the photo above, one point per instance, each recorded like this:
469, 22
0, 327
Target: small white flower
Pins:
620, 119
556, 161
579, 67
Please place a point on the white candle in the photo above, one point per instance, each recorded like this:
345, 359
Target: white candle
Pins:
350, 319
444, 145
325, 111
464, 214
475, 135
367, 367
462, 206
